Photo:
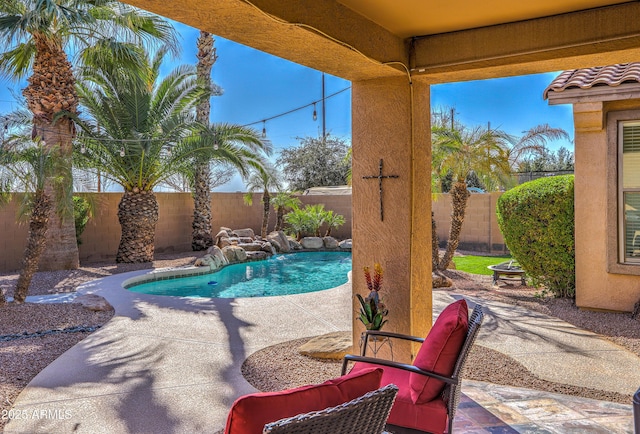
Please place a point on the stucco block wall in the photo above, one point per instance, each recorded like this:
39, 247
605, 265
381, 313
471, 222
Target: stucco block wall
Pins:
595, 180
480, 231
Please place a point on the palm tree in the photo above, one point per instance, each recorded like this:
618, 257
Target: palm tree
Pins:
263, 179
332, 220
142, 130
282, 202
35, 35
534, 141
201, 237
33, 169
461, 150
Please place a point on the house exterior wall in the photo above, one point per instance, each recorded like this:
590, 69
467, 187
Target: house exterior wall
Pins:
600, 283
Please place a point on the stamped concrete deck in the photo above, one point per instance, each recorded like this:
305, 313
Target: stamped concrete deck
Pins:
172, 365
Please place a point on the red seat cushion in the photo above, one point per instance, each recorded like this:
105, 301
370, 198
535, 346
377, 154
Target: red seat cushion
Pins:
430, 416
440, 351
250, 413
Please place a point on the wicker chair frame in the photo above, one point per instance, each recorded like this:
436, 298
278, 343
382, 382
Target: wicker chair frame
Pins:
451, 392
364, 415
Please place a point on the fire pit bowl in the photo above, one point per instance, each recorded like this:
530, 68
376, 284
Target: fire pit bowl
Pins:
508, 271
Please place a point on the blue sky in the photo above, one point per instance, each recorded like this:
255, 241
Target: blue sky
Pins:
258, 86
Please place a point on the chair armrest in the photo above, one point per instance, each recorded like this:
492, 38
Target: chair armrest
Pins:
393, 335
383, 362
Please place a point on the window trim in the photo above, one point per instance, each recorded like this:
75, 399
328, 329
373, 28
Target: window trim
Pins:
615, 204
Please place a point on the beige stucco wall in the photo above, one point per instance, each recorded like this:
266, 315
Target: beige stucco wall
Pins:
102, 234
598, 284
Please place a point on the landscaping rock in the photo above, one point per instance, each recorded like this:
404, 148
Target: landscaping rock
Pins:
219, 257
248, 233
234, 254
330, 243
312, 243
268, 247
330, 346
440, 281
206, 261
93, 302
345, 244
257, 255
251, 247
280, 238
277, 245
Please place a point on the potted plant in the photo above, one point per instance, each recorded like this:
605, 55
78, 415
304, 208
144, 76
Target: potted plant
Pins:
372, 308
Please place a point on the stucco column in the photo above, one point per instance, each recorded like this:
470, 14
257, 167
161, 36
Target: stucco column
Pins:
391, 121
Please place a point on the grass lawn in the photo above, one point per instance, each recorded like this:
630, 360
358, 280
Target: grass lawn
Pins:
478, 264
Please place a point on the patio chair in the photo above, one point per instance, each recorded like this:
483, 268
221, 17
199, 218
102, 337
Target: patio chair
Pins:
364, 415
429, 389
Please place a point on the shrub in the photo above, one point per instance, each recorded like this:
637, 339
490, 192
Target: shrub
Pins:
537, 222
309, 219
81, 214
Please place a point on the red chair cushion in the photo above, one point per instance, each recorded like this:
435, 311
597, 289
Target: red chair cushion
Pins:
440, 351
250, 413
430, 416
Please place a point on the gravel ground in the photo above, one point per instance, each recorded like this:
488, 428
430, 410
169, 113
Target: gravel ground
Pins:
281, 366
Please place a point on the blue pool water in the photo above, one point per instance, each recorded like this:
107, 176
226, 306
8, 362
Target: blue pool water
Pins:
280, 275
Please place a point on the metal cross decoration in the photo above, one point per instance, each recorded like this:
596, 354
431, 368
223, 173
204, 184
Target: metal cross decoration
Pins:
380, 177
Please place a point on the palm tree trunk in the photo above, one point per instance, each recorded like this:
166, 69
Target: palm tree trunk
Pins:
279, 218
201, 237
36, 243
51, 89
459, 195
266, 205
138, 215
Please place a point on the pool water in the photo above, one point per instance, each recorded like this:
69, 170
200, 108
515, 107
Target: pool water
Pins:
279, 275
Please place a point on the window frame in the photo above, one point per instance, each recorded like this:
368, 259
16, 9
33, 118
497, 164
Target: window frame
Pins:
616, 262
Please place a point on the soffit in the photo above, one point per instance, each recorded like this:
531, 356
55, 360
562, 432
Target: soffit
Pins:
407, 18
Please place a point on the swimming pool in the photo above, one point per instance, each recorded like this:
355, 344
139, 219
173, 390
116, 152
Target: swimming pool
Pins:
293, 273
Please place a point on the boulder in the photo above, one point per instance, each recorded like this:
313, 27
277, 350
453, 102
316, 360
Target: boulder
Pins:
281, 239
345, 244
234, 254
330, 243
206, 261
440, 281
93, 302
276, 245
312, 243
245, 240
219, 258
255, 256
268, 247
251, 247
294, 244
244, 233
229, 231
330, 346
222, 234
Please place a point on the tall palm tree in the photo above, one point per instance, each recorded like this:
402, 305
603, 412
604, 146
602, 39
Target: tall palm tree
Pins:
459, 151
263, 179
142, 130
34, 35
201, 237
32, 169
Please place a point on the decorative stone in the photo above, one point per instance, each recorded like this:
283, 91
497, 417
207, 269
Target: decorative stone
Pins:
268, 247
229, 231
330, 243
218, 257
251, 247
312, 243
294, 244
245, 240
234, 254
330, 346
281, 239
222, 234
248, 233
276, 245
345, 244
440, 281
93, 302
257, 255
206, 261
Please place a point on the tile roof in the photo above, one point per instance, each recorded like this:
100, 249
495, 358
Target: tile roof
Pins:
612, 75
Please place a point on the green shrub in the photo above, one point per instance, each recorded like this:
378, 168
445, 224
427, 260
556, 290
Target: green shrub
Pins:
537, 222
81, 214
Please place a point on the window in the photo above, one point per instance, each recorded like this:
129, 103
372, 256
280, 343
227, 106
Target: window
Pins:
629, 192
